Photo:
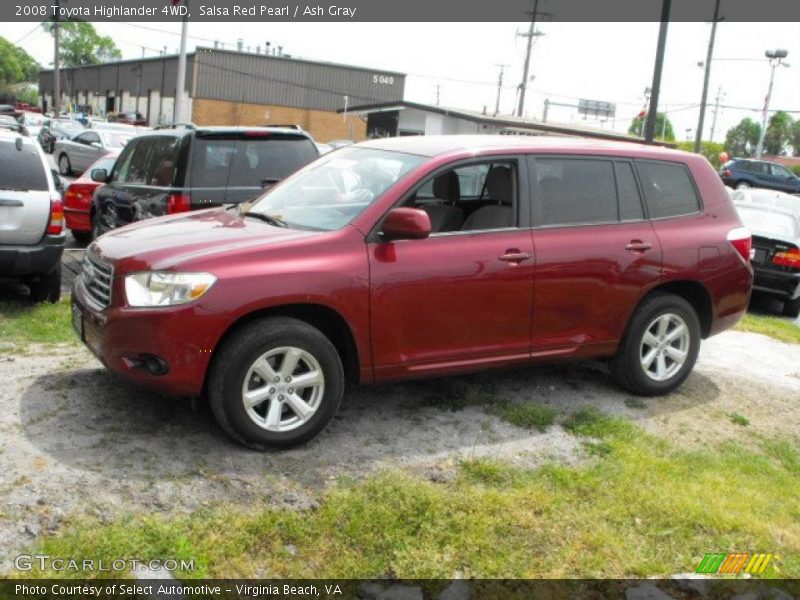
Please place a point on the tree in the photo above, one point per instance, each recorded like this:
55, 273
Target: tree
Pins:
796, 137
81, 44
711, 150
664, 131
16, 65
779, 133
742, 139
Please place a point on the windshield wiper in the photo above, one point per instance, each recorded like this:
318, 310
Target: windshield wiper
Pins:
275, 221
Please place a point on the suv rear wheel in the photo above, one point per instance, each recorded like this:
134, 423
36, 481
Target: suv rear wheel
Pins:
743, 185
64, 166
277, 382
660, 346
46, 288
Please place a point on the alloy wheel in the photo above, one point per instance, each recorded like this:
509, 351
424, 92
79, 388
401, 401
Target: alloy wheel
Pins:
664, 347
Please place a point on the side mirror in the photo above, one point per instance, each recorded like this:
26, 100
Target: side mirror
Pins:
99, 175
406, 224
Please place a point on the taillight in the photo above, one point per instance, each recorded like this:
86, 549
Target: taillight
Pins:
78, 195
787, 259
178, 203
56, 224
726, 173
741, 240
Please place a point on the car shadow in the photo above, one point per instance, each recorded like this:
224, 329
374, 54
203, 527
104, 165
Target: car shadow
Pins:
91, 420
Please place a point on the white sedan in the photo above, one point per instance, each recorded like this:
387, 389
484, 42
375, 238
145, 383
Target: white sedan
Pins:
76, 154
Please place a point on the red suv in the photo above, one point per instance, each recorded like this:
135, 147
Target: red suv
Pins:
418, 257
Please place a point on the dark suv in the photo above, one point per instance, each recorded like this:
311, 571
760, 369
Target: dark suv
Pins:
420, 257
182, 168
748, 173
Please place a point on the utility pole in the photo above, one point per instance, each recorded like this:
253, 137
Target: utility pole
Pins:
438, 90
532, 33
650, 125
699, 133
775, 59
716, 110
177, 116
499, 89
56, 65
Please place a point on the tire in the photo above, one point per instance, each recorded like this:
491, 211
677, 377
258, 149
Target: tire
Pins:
51, 146
83, 237
628, 365
791, 308
275, 421
743, 185
46, 288
64, 166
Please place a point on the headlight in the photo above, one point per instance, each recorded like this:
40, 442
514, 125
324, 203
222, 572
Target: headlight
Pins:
164, 288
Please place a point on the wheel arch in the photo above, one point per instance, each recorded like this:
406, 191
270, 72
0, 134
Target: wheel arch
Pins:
329, 321
695, 293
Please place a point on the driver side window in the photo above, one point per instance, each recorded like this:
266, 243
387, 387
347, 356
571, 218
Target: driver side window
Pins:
476, 197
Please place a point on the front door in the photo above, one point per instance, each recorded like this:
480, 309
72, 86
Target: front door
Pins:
462, 297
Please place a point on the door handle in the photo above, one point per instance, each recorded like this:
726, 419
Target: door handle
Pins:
638, 246
10, 202
515, 256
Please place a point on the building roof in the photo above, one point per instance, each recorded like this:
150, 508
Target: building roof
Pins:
434, 145
513, 122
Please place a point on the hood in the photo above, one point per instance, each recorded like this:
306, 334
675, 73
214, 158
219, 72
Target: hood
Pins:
166, 242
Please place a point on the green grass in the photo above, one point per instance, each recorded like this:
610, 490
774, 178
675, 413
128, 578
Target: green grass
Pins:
642, 507
738, 419
780, 329
458, 394
39, 324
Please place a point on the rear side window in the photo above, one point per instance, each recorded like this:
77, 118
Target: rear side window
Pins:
248, 162
630, 202
149, 161
668, 189
576, 191
21, 169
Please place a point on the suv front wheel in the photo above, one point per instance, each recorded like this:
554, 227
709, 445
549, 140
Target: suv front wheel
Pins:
660, 346
276, 382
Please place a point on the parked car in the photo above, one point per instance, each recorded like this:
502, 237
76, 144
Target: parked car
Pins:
747, 172
31, 218
375, 263
774, 220
129, 118
9, 123
78, 200
32, 122
177, 169
76, 154
340, 143
54, 130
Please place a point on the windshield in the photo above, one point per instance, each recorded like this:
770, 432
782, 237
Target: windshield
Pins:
69, 126
33, 120
332, 191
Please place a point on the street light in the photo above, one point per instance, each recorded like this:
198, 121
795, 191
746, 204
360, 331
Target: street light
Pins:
775, 58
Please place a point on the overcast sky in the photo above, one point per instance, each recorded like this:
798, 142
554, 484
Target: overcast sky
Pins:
599, 61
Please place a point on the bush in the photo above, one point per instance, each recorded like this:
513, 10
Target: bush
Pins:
711, 150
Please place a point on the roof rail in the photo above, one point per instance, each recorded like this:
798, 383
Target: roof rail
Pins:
176, 125
285, 126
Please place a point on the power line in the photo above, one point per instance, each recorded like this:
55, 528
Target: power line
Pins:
20, 40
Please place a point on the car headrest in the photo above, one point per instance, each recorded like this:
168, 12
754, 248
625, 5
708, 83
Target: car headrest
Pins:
446, 187
499, 184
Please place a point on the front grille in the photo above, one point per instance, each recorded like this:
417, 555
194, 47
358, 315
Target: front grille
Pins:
97, 278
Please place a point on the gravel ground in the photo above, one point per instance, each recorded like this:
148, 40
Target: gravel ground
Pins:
77, 440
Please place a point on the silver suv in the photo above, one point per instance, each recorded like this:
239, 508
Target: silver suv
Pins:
32, 231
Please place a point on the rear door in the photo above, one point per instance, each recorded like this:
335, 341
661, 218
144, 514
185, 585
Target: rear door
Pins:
24, 194
232, 168
595, 252
783, 179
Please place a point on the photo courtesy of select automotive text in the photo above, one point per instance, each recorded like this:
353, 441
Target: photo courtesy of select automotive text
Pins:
399, 300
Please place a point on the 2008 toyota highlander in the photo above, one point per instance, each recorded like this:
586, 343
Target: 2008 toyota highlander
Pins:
417, 257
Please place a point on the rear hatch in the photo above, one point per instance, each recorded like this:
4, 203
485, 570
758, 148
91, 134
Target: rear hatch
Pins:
775, 232
232, 167
24, 194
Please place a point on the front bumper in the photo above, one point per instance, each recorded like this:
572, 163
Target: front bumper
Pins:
123, 339
783, 284
19, 261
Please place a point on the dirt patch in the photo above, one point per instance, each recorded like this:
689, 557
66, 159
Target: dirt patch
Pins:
78, 440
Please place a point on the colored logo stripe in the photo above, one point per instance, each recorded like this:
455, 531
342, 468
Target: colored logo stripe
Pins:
720, 562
